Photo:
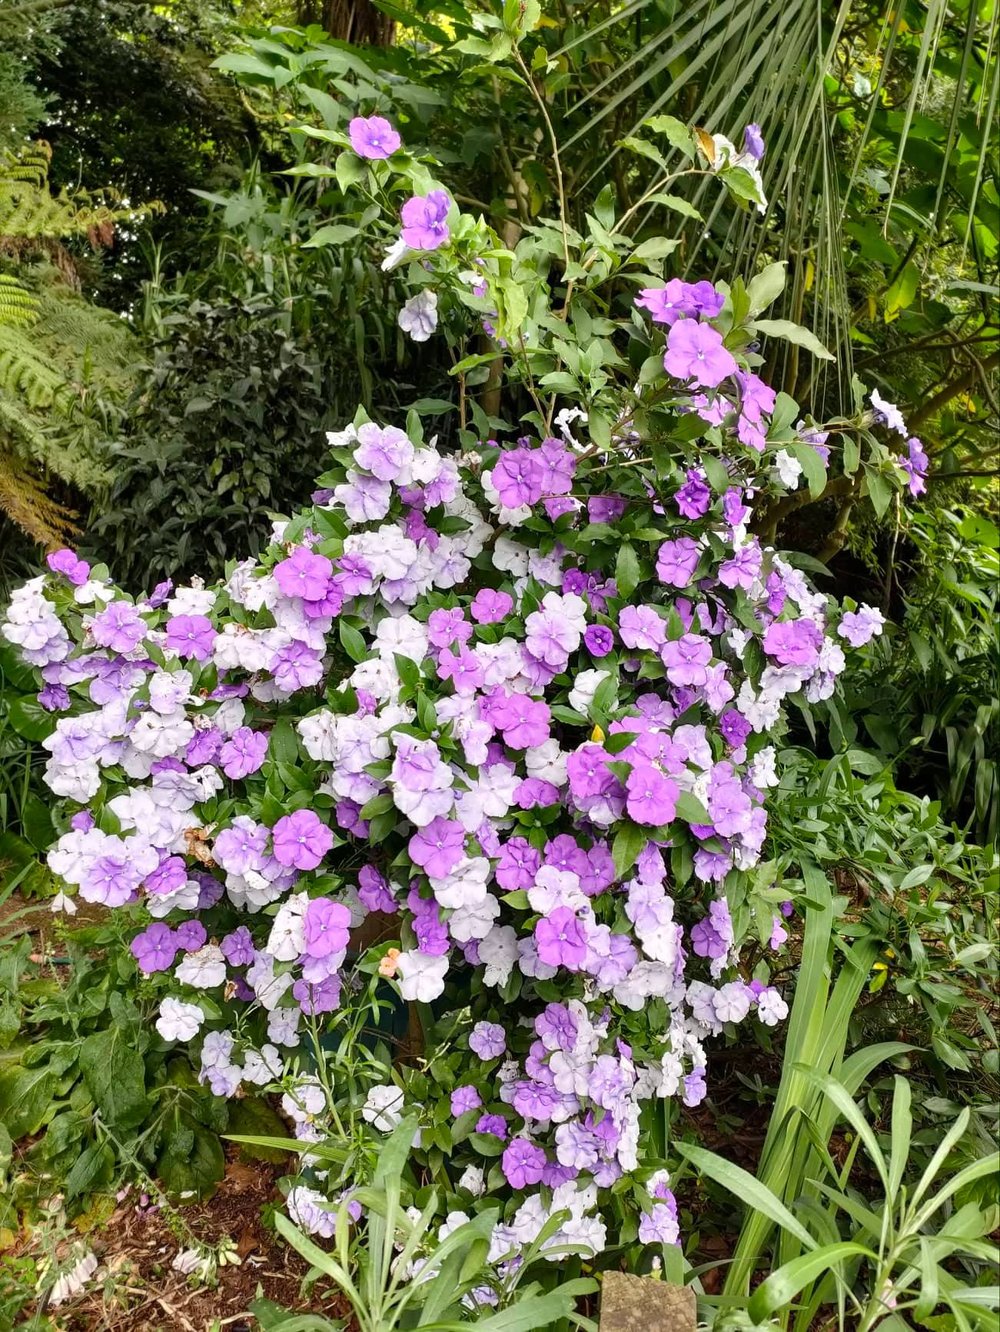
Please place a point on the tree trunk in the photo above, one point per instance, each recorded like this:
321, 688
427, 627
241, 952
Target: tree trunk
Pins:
355, 21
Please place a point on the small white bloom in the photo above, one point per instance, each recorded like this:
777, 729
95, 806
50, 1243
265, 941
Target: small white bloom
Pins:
394, 255
787, 469
203, 969
179, 1021
422, 975
73, 1281
418, 316
383, 1107
61, 902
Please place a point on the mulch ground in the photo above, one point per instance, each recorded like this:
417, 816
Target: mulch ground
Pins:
135, 1289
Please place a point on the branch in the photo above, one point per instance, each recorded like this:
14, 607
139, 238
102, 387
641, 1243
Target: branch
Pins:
952, 390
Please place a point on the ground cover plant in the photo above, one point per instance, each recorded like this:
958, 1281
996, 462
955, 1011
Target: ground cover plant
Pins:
447, 845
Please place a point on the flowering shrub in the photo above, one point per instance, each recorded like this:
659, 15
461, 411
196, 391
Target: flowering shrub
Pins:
519, 699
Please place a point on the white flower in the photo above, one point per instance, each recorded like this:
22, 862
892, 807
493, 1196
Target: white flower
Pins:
418, 316
203, 969
587, 683
787, 469
422, 975
63, 903
287, 939
893, 416
179, 1021
73, 1281
474, 1180
771, 1008
187, 1261
383, 1107
394, 255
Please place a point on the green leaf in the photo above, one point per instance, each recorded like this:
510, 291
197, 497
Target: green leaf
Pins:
675, 132
657, 248
283, 743
781, 1287
352, 642
253, 1117
691, 810
92, 1170
30, 720
350, 169
627, 572
766, 287
742, 1185
191, 1161
629, 841
801, 337
813, 468
115, 1076
334, 234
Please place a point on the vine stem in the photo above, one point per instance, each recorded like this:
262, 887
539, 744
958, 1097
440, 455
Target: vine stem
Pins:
554, 142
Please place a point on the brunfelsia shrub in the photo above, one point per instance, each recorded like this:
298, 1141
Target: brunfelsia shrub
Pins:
522, 700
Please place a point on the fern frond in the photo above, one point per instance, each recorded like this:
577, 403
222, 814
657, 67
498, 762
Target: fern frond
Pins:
24, 500
17, 304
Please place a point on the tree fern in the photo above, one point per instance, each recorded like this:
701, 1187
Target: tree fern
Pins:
65, 364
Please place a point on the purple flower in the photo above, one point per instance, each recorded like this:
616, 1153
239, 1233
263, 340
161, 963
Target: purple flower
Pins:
694, 497
438, 848
160, 594
524, 721
68, 563
386, 453
424, 225
490, 607
494, 1124
793, 642
861, 626
652, 797
304, 575
373, 137
679, 300
734, 728
118, 627
169, 875
560, 939
237, 948
605, 508
488, 1040
695, 351
659, 1225
753, 142
243, 753
522, 1163
519, 863
599, 640
517, 478
676, 562
301, 840
327, 927
191, 636
155, 949
464, 1099
191, 935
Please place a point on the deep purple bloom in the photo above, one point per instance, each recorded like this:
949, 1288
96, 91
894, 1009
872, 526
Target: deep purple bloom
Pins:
191, 935
464, 1099
155, 949
599, 640
438, 848
304, 574
517, 478
753, 142
694, 497
495, 1124
237, 948
652, 797
490, 607
696, 352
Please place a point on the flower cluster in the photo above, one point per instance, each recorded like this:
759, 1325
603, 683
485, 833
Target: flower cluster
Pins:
521, 700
